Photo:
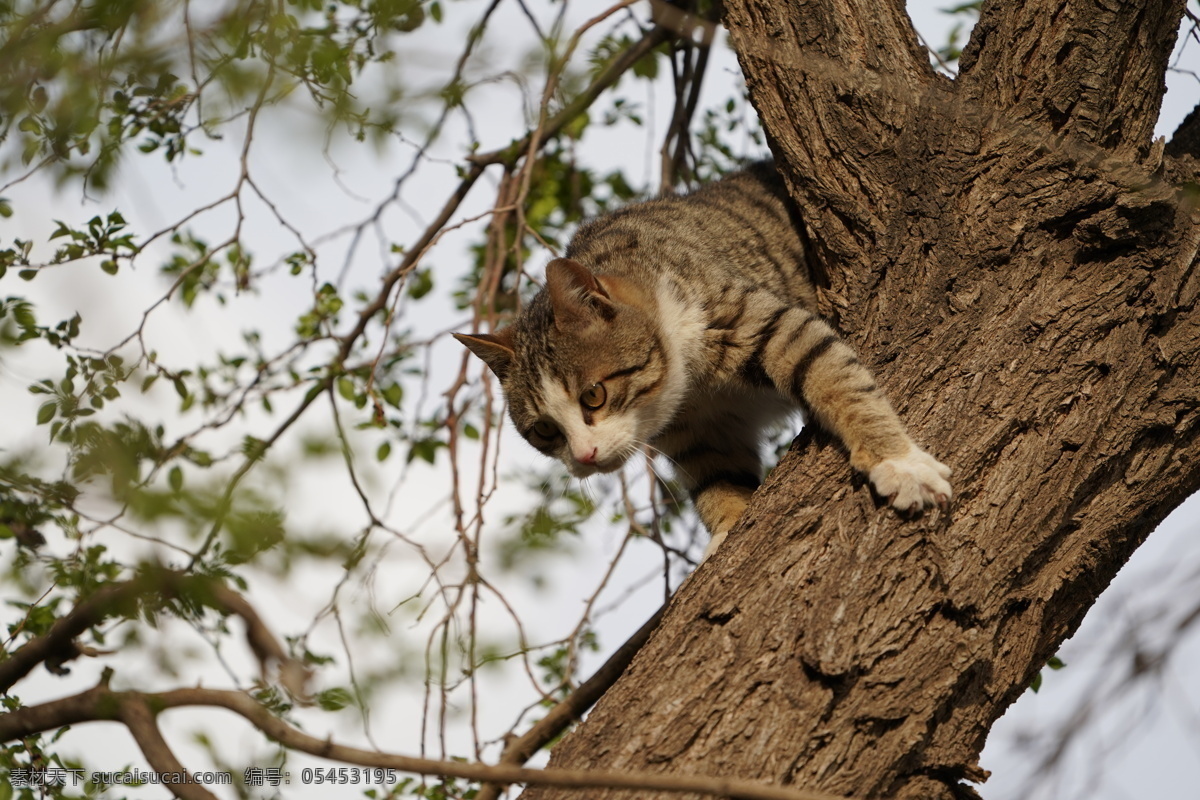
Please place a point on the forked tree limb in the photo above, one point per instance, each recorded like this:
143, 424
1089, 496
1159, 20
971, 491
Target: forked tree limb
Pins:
151, 589
142, 724
58, 644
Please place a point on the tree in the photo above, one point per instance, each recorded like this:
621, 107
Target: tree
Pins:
1023, 202
1053, 353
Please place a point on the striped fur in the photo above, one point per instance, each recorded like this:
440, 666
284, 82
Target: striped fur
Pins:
686, 324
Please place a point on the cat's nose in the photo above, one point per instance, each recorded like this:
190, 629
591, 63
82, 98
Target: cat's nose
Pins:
587, 457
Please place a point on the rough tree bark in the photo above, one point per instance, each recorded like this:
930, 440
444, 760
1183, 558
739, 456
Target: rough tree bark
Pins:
1014, 255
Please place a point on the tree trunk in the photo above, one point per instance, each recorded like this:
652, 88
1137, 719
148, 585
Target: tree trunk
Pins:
1012, 254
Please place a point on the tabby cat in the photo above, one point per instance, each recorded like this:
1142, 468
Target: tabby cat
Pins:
686, 324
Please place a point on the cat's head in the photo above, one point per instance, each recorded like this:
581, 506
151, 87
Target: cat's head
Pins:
583, 368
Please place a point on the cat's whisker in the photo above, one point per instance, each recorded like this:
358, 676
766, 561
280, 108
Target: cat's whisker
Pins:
664, 481
656, 452
586, 489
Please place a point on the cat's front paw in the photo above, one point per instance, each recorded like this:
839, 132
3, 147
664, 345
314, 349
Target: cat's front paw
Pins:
912, 482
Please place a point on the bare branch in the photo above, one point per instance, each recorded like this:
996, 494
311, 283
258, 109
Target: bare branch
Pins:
139, 719
101, 703
293, 674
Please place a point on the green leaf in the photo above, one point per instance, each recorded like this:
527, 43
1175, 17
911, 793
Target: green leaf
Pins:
27, 274
425, 449
23, 313
393, 394
46, 412
410, 20
971, 5
345, 388
253, 448
175, 478
575, 128
109, 266
334, 699
383, 452
421, 285
647, 66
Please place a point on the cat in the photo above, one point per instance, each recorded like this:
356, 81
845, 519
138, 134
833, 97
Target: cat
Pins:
687, 323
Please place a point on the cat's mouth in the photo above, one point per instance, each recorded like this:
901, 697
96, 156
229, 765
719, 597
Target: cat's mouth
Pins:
600, 467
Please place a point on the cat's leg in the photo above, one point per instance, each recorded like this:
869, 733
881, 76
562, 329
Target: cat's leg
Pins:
720, 468
720, 504
804, 358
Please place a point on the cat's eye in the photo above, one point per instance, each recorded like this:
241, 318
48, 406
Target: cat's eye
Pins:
546, 430
594, 397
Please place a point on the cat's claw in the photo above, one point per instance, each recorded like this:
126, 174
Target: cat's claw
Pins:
913, 482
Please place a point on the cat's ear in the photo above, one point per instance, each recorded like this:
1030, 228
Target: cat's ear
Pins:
576, 295
496, 349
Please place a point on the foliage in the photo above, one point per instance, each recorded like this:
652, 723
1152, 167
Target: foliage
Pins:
1055, 663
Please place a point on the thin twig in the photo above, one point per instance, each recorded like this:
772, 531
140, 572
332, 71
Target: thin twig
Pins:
572, 707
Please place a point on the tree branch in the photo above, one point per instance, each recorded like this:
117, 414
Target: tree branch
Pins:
506, 155
58, 644
101, 703
140, 721
413, 255
1040, 62
155, 586
814, 73
1186, 139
